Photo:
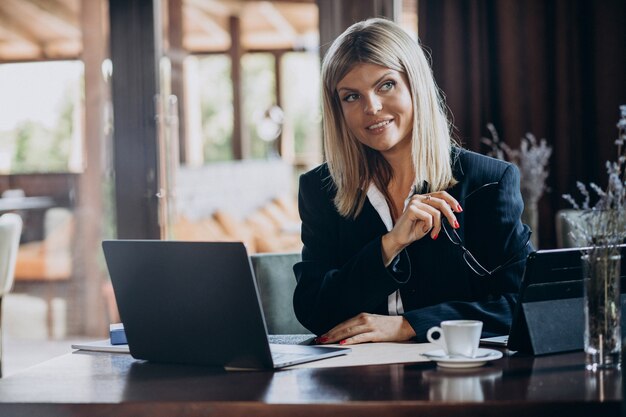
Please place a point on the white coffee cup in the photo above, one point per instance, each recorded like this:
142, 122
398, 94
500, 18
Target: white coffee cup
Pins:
457, 337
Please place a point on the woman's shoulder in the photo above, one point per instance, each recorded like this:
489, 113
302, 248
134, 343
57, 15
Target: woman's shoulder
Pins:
473, 163
319, 171
318, 178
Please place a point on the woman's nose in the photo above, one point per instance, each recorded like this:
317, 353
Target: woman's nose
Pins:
373, 105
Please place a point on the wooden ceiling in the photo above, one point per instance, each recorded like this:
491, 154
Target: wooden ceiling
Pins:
39, 29
34, 30
264, 24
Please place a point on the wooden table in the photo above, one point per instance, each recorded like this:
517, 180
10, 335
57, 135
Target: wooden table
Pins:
103, 384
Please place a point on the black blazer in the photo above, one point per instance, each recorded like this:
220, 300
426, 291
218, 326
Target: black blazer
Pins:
342, 272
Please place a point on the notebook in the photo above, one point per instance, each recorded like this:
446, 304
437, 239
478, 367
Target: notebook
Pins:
196, 303
552, 287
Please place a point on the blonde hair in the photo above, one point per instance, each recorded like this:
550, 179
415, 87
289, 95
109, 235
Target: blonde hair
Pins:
353, 165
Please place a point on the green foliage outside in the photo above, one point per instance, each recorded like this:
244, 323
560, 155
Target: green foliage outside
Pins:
259, 93
216, 95
39, 119
300, 102
41, 149
301, 98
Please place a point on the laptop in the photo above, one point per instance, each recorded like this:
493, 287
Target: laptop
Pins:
196, 303
552, 286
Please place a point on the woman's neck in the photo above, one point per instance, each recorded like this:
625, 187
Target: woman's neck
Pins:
403, 172
401, 183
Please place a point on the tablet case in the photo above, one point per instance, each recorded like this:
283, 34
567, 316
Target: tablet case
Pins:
550, 316
553, 326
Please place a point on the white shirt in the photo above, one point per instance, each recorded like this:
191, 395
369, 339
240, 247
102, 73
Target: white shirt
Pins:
377, 199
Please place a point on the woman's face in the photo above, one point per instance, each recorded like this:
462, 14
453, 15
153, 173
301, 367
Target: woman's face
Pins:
377, 107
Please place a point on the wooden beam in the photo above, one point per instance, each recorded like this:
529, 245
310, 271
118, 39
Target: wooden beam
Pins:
135, 52
207, 23
213, 7
59, 10
278, 59
239, 140
42, 20
250, 51
277, 20
87, 312
210, 24
8, 55
63, 47
16, 27
282, 1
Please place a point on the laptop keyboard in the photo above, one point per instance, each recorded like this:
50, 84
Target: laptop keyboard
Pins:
291, 339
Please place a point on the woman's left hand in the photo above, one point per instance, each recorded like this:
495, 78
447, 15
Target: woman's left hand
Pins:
367, 327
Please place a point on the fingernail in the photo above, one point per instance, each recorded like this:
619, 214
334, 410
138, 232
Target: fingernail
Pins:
456, 224
343, 342
459, 208
435, 237
322, 339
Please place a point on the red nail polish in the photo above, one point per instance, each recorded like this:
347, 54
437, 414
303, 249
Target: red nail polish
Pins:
322, 339
456, 224
343, 342
435, 237
459, 208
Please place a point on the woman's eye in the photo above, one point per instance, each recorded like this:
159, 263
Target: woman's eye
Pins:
388, 85
350, 98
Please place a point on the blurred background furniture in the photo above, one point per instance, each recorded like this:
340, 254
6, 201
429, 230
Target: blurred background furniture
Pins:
231, 201
44, 267
49, 259
45, 260
10, 231
276, 283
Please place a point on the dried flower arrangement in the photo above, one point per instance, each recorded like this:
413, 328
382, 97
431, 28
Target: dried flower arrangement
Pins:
600, 228
604, 222
531, 158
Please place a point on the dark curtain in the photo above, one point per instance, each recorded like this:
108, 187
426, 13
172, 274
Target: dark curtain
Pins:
554, 68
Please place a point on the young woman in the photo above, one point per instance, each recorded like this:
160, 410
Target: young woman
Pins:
401, 228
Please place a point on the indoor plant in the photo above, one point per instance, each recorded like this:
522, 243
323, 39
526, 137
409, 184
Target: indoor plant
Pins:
600, 228
532, 160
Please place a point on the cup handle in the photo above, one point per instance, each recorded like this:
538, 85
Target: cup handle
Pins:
439, 340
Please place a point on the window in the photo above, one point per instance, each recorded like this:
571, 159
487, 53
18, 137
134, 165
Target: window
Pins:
298, 122
216, 101
258, 96
41, 124
301, 98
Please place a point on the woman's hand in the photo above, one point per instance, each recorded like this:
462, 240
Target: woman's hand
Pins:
421, 216
367, 327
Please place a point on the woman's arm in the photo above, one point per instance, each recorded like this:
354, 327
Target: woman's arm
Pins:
494, 234
331, 288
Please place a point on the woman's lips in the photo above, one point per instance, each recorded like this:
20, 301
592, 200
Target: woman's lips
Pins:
380, 125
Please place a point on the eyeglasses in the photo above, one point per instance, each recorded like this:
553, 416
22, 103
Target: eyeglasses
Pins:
470, 260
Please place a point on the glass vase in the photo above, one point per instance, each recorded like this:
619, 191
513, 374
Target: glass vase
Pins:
603, 338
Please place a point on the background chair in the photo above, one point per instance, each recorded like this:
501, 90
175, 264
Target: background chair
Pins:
276, 283
10, 232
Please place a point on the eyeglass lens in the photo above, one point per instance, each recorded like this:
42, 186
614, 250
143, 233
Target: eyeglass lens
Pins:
470, 260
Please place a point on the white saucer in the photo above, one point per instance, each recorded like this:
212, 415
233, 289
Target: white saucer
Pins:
445, 361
